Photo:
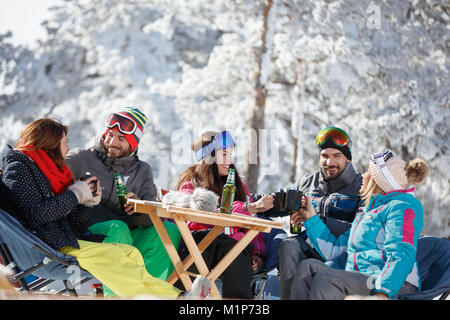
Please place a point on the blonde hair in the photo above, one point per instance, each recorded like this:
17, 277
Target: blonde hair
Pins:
371, 189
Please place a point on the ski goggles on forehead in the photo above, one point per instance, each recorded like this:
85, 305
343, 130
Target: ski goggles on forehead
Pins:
123, 123
382, 157
338, 136
380, 160
221, 141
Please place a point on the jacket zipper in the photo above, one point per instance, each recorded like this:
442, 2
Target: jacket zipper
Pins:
360, 217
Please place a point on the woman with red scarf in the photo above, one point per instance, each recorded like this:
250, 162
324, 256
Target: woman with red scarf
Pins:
40, 193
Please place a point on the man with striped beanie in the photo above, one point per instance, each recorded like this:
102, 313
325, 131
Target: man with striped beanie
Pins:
130, 123
116, 151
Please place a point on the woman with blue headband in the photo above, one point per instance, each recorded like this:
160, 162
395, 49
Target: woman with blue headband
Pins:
214, 151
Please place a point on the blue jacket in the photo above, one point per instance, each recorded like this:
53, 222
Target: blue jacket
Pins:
382, 241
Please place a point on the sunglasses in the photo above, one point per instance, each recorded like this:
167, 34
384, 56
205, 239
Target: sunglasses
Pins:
123, 123
338, 136
221, 141
380, 160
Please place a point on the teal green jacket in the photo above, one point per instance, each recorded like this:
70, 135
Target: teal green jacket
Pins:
381, 243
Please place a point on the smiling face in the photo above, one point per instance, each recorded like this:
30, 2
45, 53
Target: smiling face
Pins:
224, 158
116, 145
332, 163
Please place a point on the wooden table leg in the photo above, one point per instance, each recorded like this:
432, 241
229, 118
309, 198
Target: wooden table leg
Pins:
171, 250
232, 254
196, 254
189, 260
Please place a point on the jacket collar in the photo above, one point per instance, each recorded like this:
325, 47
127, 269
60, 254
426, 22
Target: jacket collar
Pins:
380, 199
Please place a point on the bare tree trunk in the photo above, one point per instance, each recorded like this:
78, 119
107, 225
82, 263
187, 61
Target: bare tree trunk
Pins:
256, 121
297, 128
293, 160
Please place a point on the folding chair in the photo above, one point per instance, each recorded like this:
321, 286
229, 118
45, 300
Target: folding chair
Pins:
266, 286
262, 278
433, 257
25, 254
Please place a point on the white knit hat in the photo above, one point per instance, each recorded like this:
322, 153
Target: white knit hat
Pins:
392, 173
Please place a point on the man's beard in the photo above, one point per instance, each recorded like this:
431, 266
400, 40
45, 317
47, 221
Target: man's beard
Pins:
116, 154
336, 172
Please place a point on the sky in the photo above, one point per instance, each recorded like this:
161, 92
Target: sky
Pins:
24, 18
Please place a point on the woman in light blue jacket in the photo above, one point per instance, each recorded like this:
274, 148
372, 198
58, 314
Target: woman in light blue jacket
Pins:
381, 245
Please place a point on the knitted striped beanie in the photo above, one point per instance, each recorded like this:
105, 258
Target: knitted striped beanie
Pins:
139, 118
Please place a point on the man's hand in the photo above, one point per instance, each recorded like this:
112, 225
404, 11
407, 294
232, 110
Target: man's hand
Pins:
263, 204
129, 207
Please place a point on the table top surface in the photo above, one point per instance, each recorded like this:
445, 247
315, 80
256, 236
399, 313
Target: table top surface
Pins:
212, 218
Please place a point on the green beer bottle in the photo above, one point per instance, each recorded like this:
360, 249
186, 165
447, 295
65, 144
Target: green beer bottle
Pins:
295, 229
228, 192
121, 191
293, 201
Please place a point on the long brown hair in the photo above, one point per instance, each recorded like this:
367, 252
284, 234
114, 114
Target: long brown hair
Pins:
45, 134
205, 174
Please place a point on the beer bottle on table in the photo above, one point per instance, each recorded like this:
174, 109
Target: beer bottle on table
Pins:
121, 191
228, 192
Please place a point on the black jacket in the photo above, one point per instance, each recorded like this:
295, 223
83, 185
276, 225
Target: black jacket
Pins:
335, 201
57, 220
337, 198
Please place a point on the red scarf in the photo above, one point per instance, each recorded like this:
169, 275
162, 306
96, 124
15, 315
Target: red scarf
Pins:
59, 179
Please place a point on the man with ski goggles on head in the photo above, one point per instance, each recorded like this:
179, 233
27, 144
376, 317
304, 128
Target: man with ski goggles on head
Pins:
116, 152
334, 193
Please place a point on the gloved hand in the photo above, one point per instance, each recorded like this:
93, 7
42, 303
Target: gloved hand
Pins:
94, 201
82, 191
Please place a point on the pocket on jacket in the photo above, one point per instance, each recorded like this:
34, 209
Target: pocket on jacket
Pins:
343, 203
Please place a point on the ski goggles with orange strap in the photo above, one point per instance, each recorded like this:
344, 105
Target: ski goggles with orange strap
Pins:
338, 136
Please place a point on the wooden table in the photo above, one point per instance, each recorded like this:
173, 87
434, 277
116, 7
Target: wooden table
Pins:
219, 220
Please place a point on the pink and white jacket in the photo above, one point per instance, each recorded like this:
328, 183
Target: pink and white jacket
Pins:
235, 232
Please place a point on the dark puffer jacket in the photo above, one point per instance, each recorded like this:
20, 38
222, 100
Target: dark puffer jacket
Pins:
336, 201
337, 198
57, 220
